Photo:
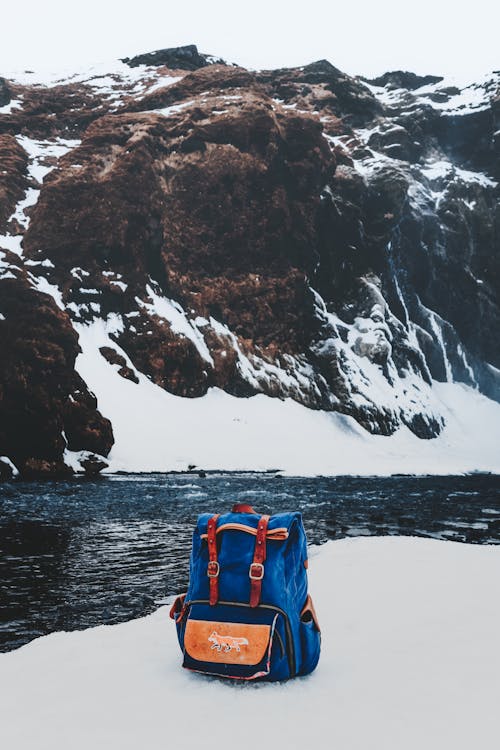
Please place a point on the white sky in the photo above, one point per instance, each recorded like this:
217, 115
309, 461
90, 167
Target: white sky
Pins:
365, 37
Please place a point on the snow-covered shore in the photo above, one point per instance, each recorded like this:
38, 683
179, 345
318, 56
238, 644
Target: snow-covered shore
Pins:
157, 431
410, 660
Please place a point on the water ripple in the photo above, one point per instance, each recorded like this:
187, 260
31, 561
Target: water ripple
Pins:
81, 553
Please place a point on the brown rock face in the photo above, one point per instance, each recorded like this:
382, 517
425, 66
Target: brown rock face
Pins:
210, 81
44, 405
13, 180
4, 92
321, 86
243, 203
185, 58
58, 111
220, 212
112, 356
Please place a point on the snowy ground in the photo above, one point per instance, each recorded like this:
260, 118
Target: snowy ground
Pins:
157, 431
410, 660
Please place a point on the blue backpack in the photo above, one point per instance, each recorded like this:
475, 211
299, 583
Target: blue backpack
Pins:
247, 614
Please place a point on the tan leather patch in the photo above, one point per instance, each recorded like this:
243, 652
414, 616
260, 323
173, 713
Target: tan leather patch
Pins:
226, 642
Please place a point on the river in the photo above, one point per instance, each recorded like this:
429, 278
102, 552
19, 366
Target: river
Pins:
79, 553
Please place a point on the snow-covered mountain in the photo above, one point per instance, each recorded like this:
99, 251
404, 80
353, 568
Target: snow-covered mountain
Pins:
174, 227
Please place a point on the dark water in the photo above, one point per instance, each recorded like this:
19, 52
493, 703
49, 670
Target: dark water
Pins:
80, 553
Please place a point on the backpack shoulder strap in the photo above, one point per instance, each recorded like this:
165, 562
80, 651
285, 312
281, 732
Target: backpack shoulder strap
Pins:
213, 567
256, 572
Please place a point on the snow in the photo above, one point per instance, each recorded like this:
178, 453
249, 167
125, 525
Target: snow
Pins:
157, 431
37, 151
378, 163
386, 95
163, 82
12, 243
493, 369
28, 201
5, 266
75, 459
173, 109
424, 198
44, 263
45, 287
443, 169
472, 97
402, 391
463, 357
83, 309
6, 459
3, 263
8, 108
436, 323
113, 80
173, 313
292, 375
111, 76
410, 660
78, 273
40, 149
120, 284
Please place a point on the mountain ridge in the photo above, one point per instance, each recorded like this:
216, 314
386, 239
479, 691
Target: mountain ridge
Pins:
298, 233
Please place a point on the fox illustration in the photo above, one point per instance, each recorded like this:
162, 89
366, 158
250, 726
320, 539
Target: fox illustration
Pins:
226, 642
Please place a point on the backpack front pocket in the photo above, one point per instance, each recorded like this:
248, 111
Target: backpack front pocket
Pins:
227, 642
221, 641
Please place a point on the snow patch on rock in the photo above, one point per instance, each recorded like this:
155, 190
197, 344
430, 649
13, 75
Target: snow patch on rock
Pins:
157, 431
176, 317
5, 459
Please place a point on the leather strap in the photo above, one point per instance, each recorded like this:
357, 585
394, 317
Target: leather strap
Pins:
213, 564
256, 571
178, 607
308, 612
243, 508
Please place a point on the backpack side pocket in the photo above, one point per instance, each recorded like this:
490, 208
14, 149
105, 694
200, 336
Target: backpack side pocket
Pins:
310, 637
178, 612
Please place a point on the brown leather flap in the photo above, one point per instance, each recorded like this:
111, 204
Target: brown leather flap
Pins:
226, 642
276, 534
177, 606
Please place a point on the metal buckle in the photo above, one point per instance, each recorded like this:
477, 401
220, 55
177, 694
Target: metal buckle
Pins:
251, 573
213, 569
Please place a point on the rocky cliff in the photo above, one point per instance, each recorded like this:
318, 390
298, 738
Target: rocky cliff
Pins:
298, 233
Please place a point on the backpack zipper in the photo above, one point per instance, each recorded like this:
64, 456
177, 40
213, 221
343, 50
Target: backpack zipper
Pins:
280, 642
289, 637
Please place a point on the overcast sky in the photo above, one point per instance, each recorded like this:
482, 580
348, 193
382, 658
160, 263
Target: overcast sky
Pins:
426, 36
